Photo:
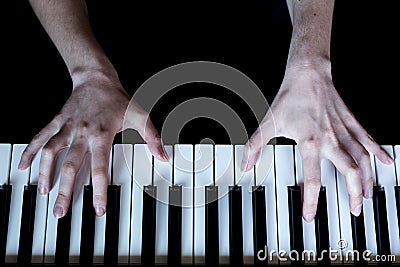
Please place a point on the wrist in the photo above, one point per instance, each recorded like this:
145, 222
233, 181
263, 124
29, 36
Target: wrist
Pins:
316, 63
85, 74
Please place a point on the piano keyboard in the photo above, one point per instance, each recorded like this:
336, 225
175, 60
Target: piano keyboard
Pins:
197, 209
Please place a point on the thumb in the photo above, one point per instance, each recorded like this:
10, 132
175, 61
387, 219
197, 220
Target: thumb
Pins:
139, 120
252, 149
154, 142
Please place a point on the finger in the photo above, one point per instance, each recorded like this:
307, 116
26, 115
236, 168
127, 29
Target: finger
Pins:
363, 160
345, 163
138, 119
37, 142
72, 162
376, 149
154, 142
312, 179
367, 141
100, 152
48, 156
252, 149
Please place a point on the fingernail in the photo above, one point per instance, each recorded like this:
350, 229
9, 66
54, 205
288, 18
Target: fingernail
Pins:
370, 193
309, 217
357, 210
42, 189
99, 211
58, 211
21, 165
389, 160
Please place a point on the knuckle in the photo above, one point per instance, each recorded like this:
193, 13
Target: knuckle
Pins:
313, 183
354, 192
69, 168
355, 196
368, 183
63, 196
331, 136
43, 175
311, 144
37, 137
100, 173
48, 152
353, 172
365, 155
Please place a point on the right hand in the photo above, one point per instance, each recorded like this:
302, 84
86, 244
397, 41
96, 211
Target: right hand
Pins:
87, 123
309, 110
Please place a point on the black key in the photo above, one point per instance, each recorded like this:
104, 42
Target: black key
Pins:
63, 238
175, 225
322, 229
88, 227
358, 233
397, 193
27, 225
235, 225
295, 220
112, 225
259, 223
149, 226
211, 226
381, 224
5, 201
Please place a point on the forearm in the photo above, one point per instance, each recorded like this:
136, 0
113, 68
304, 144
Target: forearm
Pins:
312, 25
67, 24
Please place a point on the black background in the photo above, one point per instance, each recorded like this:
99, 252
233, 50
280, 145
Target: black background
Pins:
142, 39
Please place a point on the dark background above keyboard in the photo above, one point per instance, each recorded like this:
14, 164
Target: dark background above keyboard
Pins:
142, 39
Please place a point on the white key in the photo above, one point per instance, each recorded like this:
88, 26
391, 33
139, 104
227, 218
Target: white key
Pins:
82, 179
203, 176
163, 180
284, 164
100, 227
387, 178
142, 176
18, 179
122, 175
246, 181
5, 159
369, 221
397, 162
39, 230
265, 175
183, 175
308, 228
52, 221
224, 177
346, 233
328, 179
